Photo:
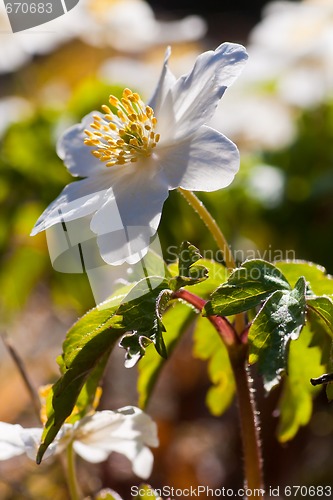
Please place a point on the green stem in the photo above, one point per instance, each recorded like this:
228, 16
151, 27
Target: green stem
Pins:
219, 238
248, 420
211, 224
71, 473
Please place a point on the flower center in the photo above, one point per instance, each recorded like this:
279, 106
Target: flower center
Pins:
126, 135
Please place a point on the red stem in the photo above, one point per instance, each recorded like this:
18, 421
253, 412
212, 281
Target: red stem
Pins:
249, 421
236, 343
222, 325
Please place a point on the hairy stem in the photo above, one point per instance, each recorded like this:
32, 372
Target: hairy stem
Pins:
71, 473
236, 344
211, 224
219, 238
235, 339
222, 325
248, 420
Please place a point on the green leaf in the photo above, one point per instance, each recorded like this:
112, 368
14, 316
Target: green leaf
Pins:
295, 404
245, 288
279, 321
176, 321
189, 274
142, 315
85, 401
320, 338
208, 346
217, 274
161, 304
86, 345
188, 255
139, 307
320, 318
322, 308
320, 282
135, 346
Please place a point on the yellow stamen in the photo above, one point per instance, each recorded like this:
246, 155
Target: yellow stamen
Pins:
106, 109
113, 101
119, 136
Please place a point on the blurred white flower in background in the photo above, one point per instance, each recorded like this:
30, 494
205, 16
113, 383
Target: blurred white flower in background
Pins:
290, 66
12, 54
13, 109
266, 184
289, 69
131, 26
254, 119
17, 49
126, 25
298, 36
128, 431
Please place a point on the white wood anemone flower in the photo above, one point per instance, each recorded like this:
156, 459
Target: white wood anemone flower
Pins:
128, 431
132, 154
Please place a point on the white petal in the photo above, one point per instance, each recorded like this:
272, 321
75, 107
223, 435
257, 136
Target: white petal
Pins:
140, 423
31, 439
143, 462
141, 457
11, 443
73, 247
192, 100
207, 162
90, 453
103, 428
166, 81
127, 431
136, 198
78, 199
76, 155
